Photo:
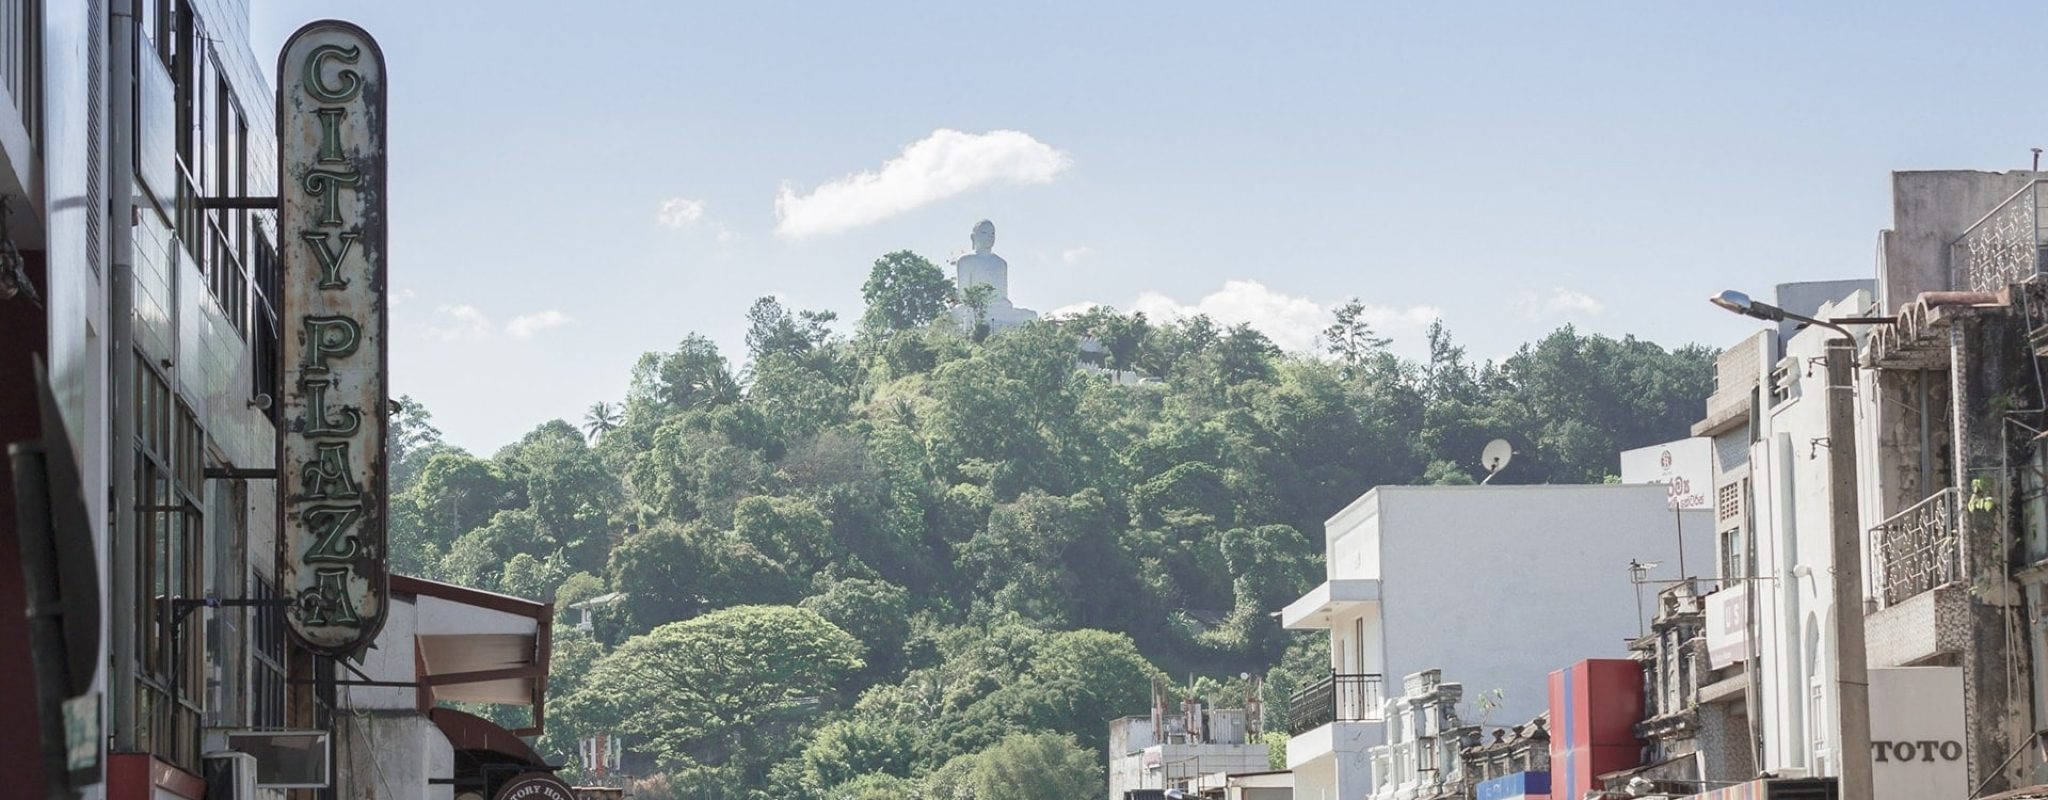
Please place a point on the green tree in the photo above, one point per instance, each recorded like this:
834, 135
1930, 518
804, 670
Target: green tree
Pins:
904, 291
732, 691
875, 612
412, 438
1350, 337
694, 376
602, 418
567, 487
457, 492
977, 298
774, 330
1040, 553
661, 570
875, 787
1023, 766
843, 751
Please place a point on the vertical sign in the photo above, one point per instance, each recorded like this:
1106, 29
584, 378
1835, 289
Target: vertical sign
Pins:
331, 228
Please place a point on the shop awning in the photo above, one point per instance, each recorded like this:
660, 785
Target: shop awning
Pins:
475, 646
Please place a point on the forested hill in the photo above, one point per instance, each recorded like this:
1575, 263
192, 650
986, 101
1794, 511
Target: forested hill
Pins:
926, 560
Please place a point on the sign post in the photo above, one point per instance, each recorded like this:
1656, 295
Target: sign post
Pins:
331, 480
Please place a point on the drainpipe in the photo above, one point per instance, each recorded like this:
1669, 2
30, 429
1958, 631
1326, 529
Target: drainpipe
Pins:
121, 544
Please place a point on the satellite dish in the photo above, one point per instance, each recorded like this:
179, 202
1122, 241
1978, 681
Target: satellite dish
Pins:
1496, 455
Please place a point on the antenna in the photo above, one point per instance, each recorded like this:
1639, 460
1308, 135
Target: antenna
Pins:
1496, 456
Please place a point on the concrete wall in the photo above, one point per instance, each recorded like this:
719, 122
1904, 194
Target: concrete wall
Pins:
1806, 298
391, 756
1929, 210
1500, 585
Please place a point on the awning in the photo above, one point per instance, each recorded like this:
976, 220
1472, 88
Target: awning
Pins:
479, 647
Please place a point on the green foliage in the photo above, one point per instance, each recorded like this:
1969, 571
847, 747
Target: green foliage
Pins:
723, 695
841, 752
904, 291
875, 612
1023, 766
970, 552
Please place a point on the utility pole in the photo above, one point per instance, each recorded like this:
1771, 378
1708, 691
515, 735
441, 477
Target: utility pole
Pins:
1852, 672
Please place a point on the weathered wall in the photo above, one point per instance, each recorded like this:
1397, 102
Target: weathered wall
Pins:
1929, 210
391, 756
1998, 364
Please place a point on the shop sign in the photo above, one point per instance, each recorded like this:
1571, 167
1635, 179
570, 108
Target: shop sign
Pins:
1917, 734
1728, 626
1685, 466
331, 231
535, 786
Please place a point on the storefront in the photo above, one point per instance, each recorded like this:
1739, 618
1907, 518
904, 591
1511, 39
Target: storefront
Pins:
447, 643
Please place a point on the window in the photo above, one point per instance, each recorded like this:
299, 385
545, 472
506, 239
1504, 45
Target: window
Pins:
266, 679
171, 564
263, 341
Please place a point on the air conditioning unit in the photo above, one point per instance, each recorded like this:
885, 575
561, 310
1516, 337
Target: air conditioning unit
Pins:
288, 759
230, 776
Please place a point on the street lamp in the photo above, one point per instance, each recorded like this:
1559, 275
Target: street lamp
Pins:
1852, 681
1740, 303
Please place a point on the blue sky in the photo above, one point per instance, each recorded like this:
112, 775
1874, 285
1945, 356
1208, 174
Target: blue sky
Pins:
576, 184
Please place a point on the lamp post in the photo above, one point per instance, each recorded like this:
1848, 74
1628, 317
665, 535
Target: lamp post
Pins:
1852, 673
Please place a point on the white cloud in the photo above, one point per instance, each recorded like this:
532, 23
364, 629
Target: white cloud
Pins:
1073, 255
464, 322
942, 165
525, 325
678, 213
1071, 309
1561, 302
1293, 323
461, 321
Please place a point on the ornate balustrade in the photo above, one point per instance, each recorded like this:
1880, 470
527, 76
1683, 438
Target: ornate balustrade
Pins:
1919, 548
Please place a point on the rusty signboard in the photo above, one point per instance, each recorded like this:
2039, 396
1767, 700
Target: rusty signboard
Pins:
331, 229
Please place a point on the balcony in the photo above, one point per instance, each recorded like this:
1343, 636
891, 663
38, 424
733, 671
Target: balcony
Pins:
1336, 698
2004, 247
1918, 549
1324, 605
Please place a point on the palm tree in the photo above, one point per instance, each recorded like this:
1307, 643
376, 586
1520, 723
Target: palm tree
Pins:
601, 419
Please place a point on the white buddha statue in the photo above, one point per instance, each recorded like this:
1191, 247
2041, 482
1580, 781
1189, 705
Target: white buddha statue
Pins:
984, 268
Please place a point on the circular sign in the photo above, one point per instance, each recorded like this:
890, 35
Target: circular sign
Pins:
535, 786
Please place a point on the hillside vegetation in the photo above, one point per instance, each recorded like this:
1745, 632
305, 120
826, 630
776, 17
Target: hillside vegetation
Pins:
927, 561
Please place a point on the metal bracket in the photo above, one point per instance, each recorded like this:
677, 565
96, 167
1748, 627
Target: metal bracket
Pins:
184, 606
264, 203
241, 473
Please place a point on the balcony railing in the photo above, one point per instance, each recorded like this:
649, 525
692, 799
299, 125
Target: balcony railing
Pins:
1918, 549
1336, 698
2005, 246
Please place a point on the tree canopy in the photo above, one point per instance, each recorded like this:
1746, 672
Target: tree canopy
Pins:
913, 560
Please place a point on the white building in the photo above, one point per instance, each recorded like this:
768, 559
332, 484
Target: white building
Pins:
1498, 585
1946, 401
444, 642
1165, 751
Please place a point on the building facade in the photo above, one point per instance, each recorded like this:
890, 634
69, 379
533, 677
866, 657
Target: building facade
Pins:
138, 125
139, 265
1148, 755
1418, 578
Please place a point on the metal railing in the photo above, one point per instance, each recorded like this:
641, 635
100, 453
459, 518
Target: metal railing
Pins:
2005, 246
1336, 698
1919, 548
